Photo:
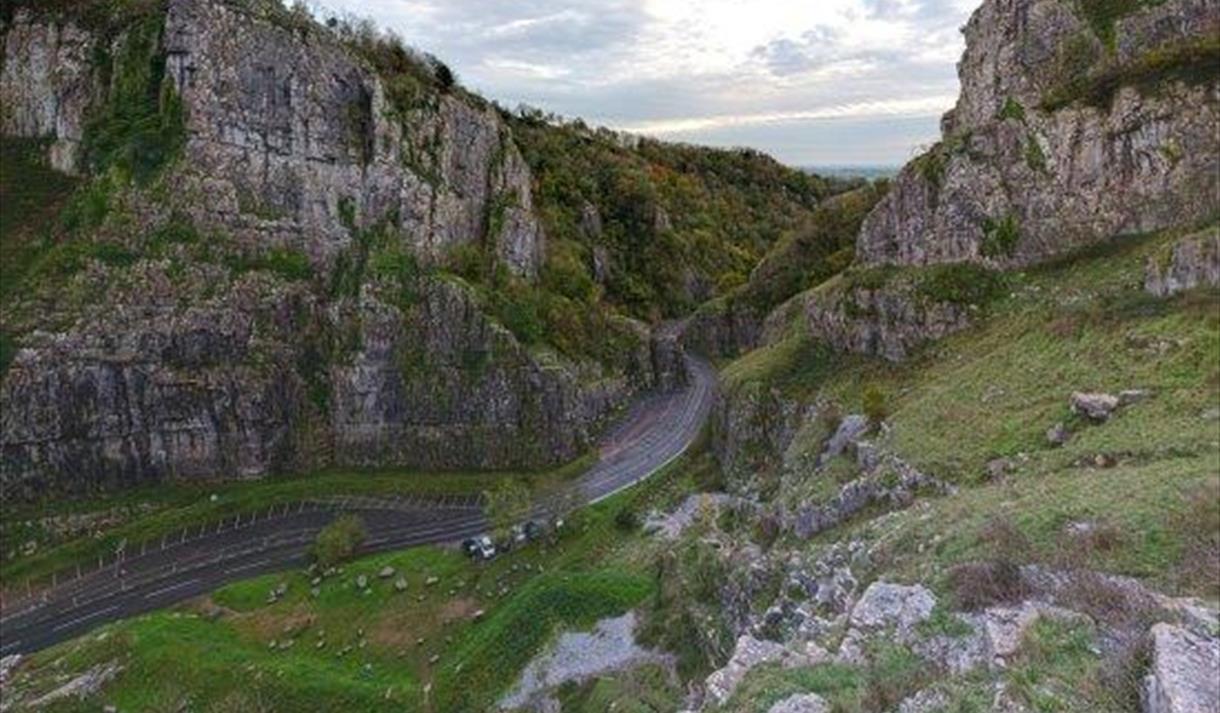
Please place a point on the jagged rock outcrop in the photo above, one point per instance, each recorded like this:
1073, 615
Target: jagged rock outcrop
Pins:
1182, 677
753, 426
888, 322
195, 354
1069, 129
723, 328
1193, 261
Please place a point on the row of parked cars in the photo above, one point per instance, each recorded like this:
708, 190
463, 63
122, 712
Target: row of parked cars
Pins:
483, 547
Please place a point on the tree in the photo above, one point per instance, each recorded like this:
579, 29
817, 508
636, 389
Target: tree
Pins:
339, 540
506, 505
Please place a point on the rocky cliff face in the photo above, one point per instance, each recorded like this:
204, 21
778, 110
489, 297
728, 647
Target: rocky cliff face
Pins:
289, 136
273, 297
1072, 126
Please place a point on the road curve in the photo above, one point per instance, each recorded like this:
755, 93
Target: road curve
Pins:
655, 432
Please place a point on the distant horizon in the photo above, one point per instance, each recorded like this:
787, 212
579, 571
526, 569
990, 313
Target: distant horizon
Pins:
840, 82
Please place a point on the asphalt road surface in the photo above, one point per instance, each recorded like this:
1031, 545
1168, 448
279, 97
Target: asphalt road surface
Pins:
655, 432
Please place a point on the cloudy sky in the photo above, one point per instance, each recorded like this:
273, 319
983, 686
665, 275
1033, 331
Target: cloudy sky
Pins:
813, 82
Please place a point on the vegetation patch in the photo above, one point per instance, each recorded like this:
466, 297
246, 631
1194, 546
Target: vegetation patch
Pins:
1012, 109
1000, 237
1191, 62
960, 283
140, 126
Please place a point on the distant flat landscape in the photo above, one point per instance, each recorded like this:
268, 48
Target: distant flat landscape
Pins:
871, 173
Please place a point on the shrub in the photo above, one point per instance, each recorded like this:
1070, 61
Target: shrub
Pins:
141, 125
978, 585
625, 519
874, 404
1012, 109
339, 540
1000, 237
961, 284
1035, 157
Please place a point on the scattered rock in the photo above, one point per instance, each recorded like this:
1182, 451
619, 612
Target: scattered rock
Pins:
8, 664
362, 581
926, 701
386, 572
1127, 397
1192, 262
1183, 676
1096, 407
851, 429
801, 703
83, 686
747, 654
1057, 435
400, 584
997, 468
430, 581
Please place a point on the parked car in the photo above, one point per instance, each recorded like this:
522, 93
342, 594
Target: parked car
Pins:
479, 548
517, 534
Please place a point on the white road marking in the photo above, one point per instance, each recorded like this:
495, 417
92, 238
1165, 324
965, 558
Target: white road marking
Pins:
252, 565
79, 619
171, 588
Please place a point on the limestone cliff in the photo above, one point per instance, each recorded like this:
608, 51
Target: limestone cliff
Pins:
252, 277
1072, 125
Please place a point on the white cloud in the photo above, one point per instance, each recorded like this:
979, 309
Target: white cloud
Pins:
705, 68
928, 106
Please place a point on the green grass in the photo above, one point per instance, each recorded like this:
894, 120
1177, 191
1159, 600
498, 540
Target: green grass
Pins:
175, 506
1193, 62
646, 689
1083, 323
592, 569
1058, 670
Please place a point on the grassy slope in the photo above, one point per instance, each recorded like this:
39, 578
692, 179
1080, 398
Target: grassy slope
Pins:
595, 569
993, 391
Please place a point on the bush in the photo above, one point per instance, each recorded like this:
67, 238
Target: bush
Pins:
339, 540
875, 407
978, 585
961, 284
141, 125
1000, 237
1012, 109
625, 519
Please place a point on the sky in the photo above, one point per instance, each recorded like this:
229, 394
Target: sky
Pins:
811, 82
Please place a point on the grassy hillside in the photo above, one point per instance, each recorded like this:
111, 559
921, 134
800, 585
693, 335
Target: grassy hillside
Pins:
675, 224
482, 623
1146, 483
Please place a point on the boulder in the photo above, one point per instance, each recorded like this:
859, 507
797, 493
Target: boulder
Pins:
386, 572
1096, 407
748, 653
850, 429
1185, 673
885, 605
1193, 262
801, 703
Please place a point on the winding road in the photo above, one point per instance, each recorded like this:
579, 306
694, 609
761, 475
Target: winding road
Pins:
656, 431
